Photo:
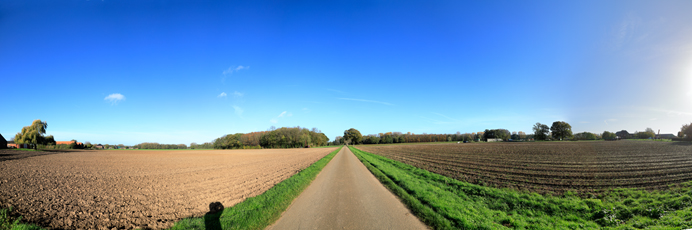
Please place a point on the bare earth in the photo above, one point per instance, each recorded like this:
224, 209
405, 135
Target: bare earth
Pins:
345, 195
152, 189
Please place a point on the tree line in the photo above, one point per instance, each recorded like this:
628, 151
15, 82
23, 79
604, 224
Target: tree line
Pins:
154, 145
284, 137
559, 130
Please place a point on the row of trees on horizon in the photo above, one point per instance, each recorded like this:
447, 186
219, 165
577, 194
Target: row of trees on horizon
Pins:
559, 130
298, 137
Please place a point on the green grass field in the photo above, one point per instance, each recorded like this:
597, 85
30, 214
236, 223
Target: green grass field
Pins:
446, 203
260, 211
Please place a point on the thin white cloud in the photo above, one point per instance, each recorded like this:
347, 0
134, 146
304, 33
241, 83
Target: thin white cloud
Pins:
625, 30
282, 114
442, 115
237, 94
362, 100
223, 94
231, 70
612, 119
238, 111
115, 98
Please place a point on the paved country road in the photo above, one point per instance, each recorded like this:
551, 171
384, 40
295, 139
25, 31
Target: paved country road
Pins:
345, 195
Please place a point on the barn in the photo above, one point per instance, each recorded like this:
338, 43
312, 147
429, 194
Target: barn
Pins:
3, 142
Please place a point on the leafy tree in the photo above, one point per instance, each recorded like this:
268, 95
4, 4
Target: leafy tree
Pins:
585, 136
686, 131
561, 130
496, 133
645, 135
353, 135
522, 135
540, 131
650, 130
33, 134
608, 135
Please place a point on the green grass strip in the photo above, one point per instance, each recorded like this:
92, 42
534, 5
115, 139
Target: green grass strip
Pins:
8, 222
260, 211
444, 203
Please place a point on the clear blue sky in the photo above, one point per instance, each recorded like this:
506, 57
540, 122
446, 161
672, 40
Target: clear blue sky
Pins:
180, 72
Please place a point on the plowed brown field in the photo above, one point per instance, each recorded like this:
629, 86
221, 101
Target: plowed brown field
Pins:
584, 167
151, 189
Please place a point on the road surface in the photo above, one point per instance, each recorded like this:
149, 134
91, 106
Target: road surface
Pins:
345, 195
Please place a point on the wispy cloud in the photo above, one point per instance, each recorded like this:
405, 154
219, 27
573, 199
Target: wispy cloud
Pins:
442, 115
115, 98
625, 30
611, 120
232, 70
223, 94
237, 94
238, 111
362, 100
282, 114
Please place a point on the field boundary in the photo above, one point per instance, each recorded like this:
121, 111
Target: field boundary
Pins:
262, 210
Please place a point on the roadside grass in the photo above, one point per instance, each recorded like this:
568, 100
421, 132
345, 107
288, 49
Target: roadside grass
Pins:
33, 150
260, 211
7, 222
445, 203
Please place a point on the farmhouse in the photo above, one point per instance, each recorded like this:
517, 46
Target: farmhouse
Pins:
494, 139
12, 145
624, 134
99, 146
3, 142
66, 142
665, 136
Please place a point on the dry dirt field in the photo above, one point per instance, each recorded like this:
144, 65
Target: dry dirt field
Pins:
125, 189
583, 166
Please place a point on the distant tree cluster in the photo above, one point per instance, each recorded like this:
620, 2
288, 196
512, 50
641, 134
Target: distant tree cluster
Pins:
293, 138
496, 133
353, 136
153, 145
296, 137
586, 136
609, 136
239, 141
206, 145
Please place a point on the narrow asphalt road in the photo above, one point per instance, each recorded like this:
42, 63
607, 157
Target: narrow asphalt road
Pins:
345, 195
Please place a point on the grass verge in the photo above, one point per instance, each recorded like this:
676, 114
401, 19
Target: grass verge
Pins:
260, 211
30, 150
8, 222
445, 203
